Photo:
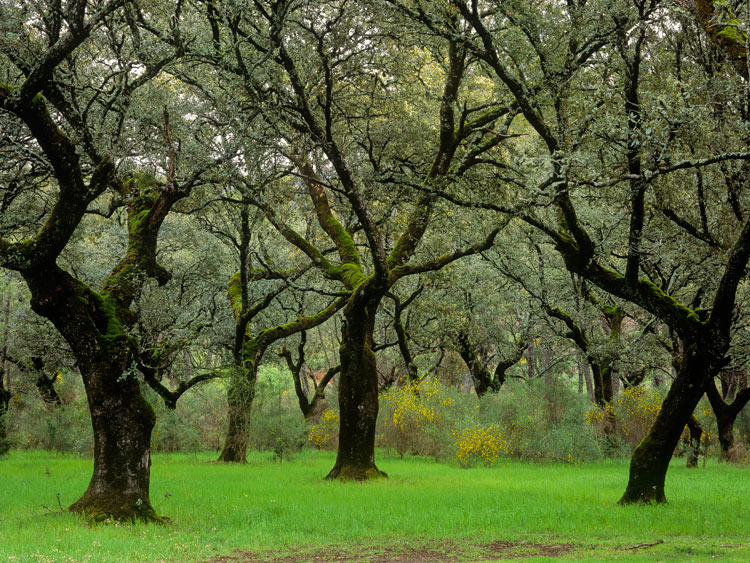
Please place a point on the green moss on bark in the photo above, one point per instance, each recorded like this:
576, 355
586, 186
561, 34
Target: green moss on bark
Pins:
106, 507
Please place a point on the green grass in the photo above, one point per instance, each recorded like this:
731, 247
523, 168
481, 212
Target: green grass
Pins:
216, 509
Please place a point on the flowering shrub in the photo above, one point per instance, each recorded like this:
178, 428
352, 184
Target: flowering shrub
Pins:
636, 409
530, 420
480, 443
325, 434
416, 418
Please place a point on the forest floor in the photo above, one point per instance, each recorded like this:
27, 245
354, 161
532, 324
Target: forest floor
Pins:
436, 551
465, 551
271, 512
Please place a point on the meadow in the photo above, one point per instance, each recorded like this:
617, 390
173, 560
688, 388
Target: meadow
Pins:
267, 510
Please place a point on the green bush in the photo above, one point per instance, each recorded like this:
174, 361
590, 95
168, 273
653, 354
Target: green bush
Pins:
277, 424
197, 424
66, 428
536, 420
543, 420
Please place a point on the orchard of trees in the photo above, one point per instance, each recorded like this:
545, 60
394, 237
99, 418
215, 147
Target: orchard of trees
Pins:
372, 194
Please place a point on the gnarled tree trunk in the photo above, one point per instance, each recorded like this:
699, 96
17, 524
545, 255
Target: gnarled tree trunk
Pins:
726, 415
121, 417
358, 390
122, 421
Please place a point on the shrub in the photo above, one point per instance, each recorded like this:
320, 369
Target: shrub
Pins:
543, 420
635, 411
325, 433
66, 428
480, 443
420, 419
531, 420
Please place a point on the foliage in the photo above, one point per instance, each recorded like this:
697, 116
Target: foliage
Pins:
325, 433
480, 443
35, 425
276, 423
418, 419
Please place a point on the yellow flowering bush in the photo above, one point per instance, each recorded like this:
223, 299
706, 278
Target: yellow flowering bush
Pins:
635, 410
600, 419
325, 433
413, 418
480, 443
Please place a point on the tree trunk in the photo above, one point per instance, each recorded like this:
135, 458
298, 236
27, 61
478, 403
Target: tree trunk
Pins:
726, 415
46, 384
694, 445
46, 388
4, 403
602, 383
480, 375
650, 460
122, 421
121, 417
240, 397
725, 425
358, 390
531, 359
4, 392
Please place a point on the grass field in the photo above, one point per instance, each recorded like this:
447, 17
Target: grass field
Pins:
424, 511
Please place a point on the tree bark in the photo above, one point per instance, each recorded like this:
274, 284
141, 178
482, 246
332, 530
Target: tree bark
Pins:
694, 445
122, 421
5, 394
585, 377
45, 384
726, 415
650, 460
358, 390
4, 403
240, 397
480, 375
121, 417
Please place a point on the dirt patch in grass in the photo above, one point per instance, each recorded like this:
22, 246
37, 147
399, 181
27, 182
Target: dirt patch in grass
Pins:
439, 551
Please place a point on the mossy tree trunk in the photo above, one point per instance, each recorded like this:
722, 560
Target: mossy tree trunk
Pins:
240, 397
121, 418
358, 390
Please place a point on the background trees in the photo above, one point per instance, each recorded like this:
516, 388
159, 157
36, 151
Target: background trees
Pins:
482, 189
